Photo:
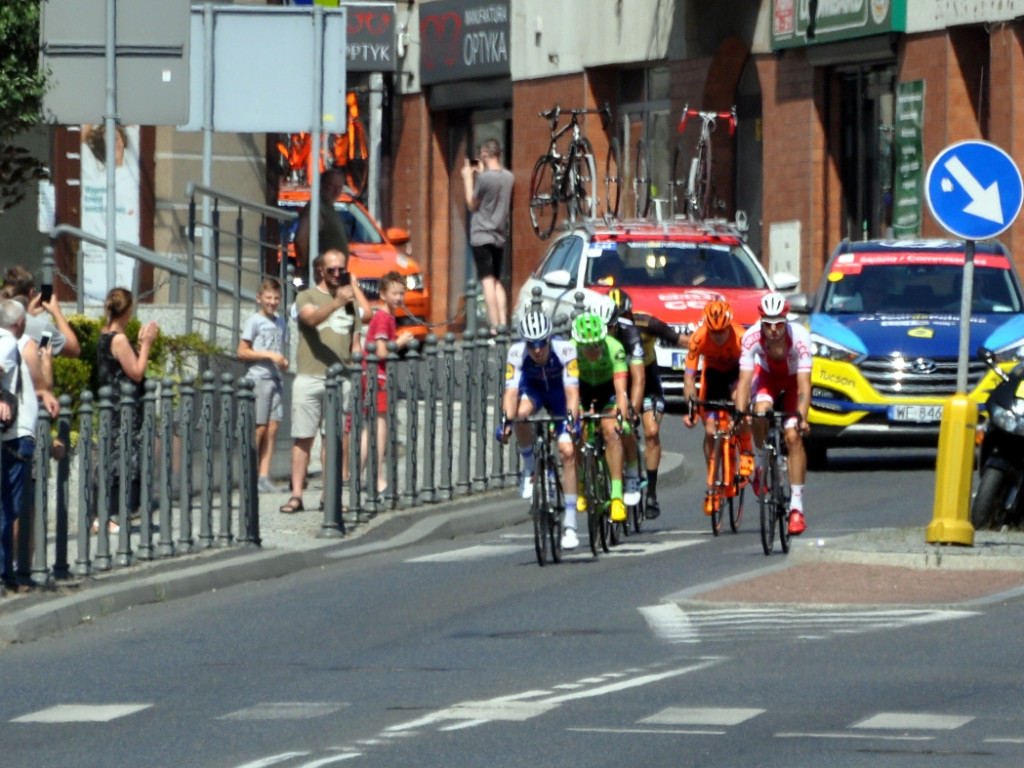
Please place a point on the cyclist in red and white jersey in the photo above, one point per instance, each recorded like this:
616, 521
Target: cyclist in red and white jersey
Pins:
775, 359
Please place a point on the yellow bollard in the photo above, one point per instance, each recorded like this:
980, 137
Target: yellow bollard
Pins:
951, 521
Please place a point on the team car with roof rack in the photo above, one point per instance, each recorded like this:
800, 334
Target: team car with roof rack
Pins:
885, 330
670, 269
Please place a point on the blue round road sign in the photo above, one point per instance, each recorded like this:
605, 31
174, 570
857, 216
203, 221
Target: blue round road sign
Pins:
974, 190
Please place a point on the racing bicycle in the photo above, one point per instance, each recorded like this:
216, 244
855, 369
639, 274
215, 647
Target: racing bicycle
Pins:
726, 487
595, 482
548, 506
699, 189
775, 491
567, 179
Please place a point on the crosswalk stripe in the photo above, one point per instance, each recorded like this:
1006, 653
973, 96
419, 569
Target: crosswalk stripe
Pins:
285, 710
81, 713
903, 721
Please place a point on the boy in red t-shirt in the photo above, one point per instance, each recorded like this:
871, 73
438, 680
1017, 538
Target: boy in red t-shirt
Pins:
380, 331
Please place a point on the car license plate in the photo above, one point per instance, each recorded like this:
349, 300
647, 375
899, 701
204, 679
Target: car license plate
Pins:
920, 414
678, 361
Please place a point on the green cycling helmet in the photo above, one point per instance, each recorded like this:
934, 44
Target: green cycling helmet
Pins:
589, 328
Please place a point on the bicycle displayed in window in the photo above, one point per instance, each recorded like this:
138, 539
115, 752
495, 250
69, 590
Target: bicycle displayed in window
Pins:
775, 491
726, 486
595, 482
641, 181
698, 185
548, 505
567, 179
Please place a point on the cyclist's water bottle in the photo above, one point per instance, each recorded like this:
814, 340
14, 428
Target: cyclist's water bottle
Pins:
552, 491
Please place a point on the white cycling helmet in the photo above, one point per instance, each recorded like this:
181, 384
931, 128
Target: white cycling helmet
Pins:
534, 326
774, 307
604, 308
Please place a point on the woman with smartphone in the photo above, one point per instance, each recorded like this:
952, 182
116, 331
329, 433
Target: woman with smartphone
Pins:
117, 362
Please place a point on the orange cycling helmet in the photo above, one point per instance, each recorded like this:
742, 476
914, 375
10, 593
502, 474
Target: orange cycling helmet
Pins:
717, 315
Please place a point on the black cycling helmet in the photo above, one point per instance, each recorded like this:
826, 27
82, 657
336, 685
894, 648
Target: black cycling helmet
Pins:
622, 301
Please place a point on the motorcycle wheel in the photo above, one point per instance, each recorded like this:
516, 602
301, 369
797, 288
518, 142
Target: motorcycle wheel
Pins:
987, 509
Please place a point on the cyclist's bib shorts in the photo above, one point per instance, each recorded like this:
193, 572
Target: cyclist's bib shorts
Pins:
602, 395
767, 386
553, 400
654, 393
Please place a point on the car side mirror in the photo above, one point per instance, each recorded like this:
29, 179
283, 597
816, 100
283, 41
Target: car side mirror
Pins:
800, 303
785, 281
558, 278
397, 235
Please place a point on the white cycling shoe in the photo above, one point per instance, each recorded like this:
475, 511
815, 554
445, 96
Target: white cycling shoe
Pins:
526, 486
631, 491
569, 539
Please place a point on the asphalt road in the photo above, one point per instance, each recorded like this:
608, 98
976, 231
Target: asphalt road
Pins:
465, 652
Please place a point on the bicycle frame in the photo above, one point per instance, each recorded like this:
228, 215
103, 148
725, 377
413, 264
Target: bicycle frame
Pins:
723, 479
775, 493
548, 505
699, 182
596, 481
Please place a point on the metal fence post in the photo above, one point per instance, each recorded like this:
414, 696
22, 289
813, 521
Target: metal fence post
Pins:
227, 452
501, 344
186, 425
146, 474
448, 418
125, 453
483, 378
37, 507
166, 546
412, 394
352, 378
468, 348
370, 386
61, 567
85, 477
391, 390
208, 392
332, 526
249, 507
429, 368
105, 496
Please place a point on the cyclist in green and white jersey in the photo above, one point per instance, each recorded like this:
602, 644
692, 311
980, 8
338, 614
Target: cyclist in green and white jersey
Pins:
603, 375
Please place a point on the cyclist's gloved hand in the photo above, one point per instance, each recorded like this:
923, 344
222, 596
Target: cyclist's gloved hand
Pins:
501, 434
572, 429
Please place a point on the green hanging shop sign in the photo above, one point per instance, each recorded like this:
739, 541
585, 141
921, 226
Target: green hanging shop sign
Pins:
809, 22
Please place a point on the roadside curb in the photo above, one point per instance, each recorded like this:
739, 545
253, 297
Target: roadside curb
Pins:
51, 615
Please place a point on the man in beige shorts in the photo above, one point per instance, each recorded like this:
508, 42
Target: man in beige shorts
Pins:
329, 324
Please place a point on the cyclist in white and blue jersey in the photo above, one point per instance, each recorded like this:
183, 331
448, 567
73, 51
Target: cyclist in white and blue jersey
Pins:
542, 372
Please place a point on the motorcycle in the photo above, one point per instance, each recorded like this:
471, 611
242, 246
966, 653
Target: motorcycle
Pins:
999, 500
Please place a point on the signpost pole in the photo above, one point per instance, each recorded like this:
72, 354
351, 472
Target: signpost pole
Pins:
316, 136
965, 318
110, 135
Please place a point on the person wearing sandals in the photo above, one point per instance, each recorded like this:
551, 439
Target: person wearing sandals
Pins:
329, 325
118, 362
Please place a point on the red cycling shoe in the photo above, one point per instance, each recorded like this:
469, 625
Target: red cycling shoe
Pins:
796, 523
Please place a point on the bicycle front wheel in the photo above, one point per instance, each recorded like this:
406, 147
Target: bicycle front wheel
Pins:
677, 198
717, 485
736, 502
613, 179
769, 513
556, 514
580, 194
543, 199
541, 517
609, 536
594, 510
782, 495
641, 182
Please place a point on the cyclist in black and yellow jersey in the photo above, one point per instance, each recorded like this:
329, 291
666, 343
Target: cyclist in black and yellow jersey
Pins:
651, 329
603, 374
629, 337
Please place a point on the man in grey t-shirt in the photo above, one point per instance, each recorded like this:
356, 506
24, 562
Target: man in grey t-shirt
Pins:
489, 197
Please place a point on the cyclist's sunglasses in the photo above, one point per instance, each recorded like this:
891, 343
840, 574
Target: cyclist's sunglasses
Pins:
774, 323
537, 344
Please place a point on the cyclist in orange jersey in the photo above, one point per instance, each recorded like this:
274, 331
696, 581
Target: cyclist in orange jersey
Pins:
717, 341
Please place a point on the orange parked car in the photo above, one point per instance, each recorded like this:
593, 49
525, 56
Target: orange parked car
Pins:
373, 252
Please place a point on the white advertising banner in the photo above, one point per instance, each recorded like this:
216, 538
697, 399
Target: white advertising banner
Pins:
94, 206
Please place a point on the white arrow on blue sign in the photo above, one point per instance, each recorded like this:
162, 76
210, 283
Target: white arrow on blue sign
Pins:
974, 190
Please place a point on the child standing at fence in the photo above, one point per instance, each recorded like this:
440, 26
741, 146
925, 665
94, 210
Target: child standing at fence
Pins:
382, 329
261, 347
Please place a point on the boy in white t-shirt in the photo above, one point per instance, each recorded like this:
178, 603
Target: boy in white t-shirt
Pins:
261, 347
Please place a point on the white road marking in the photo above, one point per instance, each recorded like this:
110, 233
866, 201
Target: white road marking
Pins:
81, 713
285, 710
330, 760
265, 762
828, 735
627, 548
702, 716
662, 731
674, 625
478, 552
902, 721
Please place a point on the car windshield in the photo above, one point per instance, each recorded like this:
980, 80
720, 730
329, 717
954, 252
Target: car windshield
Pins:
918, 289
357, 224
672, 264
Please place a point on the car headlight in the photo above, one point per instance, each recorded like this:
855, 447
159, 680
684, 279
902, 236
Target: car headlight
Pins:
1008, 421
1014, 353
414, 282
830, 350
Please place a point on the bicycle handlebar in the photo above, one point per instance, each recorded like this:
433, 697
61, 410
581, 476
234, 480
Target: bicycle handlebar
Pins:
709, 118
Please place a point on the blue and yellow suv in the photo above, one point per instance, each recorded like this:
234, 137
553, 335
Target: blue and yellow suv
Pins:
885, 330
